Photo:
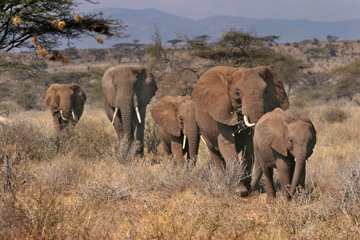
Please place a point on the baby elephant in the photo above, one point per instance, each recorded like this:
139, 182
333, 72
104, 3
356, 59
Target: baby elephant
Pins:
282, 140
177, 127
66, 102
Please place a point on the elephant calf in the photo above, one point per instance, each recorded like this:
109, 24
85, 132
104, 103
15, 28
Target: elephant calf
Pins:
282, 140
66, 102
178, 130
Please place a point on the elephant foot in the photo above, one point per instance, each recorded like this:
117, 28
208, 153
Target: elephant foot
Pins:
242, 190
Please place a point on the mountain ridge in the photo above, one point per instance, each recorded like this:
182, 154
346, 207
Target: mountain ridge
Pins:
142, 23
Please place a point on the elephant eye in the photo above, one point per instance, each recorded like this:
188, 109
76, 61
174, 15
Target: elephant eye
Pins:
237, 94
291, 140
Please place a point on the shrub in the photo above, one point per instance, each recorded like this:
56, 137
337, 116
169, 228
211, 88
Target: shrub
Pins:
151, 137
335, 114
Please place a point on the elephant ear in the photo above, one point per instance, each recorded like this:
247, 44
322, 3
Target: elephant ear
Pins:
164, 114
211, 94
276, 96
311, 125
272, 130
107, 87
147, 88
50, 96
80, 93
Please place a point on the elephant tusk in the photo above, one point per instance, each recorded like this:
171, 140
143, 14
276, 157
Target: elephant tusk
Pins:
73, 115
295, 159
65, 119
116, 110
203, 139
138, 114
184, 142
247, 123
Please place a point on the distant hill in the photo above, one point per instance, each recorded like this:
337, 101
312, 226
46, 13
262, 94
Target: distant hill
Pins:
141, 25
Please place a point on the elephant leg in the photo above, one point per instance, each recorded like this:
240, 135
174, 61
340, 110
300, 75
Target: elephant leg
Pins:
247, 160
167, 148
269, 181
57, 125
177, 150
139, 131
215, 156
165, 139
284, 168
217, 160
117, 122
257, 171
228, 151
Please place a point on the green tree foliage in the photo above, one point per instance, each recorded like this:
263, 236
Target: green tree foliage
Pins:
314, 79
286, 67
349, 80
70, 77
331, 38
175, 41
71, 53
49, 20
315, 41
235, 47
332, 49
315, 52
99, 54
130, 50
46, 23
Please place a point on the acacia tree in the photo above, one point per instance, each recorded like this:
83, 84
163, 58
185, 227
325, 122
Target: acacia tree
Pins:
349, 80
236, 47
46, 22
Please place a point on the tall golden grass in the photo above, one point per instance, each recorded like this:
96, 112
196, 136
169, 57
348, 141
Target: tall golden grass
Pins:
78, 185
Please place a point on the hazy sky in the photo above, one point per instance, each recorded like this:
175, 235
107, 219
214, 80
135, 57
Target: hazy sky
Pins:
319, 10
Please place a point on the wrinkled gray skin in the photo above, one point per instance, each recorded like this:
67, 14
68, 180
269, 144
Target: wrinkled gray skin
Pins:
281, 138
222, 96
66, 102
126, 88
175, 117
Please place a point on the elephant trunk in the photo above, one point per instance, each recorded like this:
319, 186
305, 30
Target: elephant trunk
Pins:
126, 116
193, 139
252, 109
65, 109
298, 173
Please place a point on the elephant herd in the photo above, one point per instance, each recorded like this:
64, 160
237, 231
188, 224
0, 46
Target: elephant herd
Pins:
241, 114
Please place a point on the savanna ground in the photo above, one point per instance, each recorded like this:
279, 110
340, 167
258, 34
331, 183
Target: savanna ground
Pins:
80, 186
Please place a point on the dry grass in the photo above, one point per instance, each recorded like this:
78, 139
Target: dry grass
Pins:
80, 186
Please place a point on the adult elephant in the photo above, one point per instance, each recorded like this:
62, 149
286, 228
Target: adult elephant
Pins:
66, 102
126, 92
285, 140
229, 101
177, 127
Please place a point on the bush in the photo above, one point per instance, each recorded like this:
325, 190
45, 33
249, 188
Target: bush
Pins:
151, 137
335, 114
